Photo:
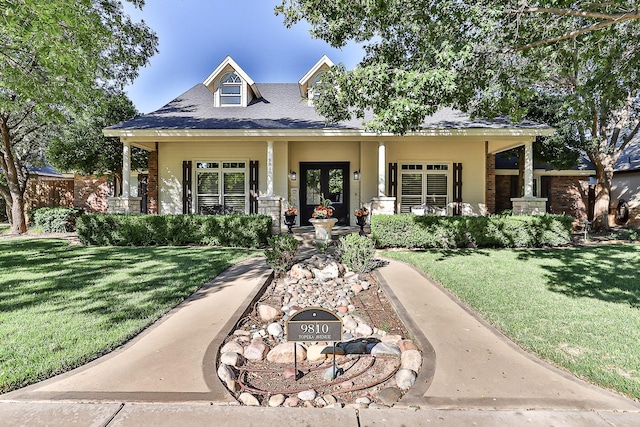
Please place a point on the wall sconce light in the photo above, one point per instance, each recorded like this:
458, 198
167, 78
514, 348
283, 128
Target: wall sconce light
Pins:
356, 175
293, 176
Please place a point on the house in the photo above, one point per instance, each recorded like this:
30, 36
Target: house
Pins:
625, 184
230, 143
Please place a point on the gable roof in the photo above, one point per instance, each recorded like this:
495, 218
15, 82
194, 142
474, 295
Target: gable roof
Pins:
229, 62
629, 160
323, 63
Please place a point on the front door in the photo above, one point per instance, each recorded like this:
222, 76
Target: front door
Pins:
324, 179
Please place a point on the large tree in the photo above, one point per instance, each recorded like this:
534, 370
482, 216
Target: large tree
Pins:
486, 57
81, 146
54, 56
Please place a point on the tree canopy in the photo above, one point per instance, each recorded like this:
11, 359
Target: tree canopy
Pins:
487, 58
54, 56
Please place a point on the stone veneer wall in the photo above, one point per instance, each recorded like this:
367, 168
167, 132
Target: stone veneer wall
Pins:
152, 183
490, 194
90, 192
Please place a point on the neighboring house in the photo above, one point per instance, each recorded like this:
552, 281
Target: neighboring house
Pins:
626, 182
570, 192
232, 143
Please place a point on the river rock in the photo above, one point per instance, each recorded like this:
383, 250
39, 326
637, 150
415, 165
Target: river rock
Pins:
407, 345
389, 396
283, 353
405, 378
268, 313
231, 358
385, 349
349, 323
275, 329
276, 400
298, 271
363, 330
232, 346
248, 399
314, 353
227, 375
411, 359
291, 402
255, 350
307, 395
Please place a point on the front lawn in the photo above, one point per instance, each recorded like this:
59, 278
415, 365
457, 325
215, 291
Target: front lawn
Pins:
61, 306
576, 307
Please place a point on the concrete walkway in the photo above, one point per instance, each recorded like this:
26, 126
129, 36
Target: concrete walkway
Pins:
472, 375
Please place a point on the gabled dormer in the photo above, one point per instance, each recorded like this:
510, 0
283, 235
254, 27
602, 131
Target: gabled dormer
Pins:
231, 86
309, 82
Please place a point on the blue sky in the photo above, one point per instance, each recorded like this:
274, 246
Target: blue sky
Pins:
196, 35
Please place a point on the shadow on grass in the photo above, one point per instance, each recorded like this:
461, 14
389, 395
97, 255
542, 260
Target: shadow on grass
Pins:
607, 272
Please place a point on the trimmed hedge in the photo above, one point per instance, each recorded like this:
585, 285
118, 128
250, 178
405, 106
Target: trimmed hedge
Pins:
430, 231
237, 230
56, 220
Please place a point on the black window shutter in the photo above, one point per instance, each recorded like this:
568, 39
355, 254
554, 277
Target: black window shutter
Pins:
253, 186
186, 186
457, 188
393, 180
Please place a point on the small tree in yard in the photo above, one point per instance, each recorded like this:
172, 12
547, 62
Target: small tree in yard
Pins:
488, 58
54, 57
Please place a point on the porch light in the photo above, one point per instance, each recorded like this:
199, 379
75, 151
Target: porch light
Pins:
293, 176
356, 175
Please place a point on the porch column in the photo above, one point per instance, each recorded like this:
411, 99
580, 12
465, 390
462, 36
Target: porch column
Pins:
126, 169
269, 168
382, 164
528, 169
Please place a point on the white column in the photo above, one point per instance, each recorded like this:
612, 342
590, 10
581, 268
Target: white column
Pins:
382, 163
528, 169
126, 169
269, 168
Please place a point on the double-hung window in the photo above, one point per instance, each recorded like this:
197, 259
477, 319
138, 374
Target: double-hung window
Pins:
231, 89
221, 187
424, 183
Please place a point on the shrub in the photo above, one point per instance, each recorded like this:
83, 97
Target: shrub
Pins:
281, 252
356, 252
430, 231
56, 220
250, 231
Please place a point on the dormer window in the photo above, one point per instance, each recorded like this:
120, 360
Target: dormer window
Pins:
316, 86
231, 89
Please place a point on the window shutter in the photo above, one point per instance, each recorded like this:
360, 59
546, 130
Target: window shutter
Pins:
253, 187
393, 179
186, 186
457, 188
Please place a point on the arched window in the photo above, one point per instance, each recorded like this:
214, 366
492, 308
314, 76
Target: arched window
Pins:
231, 89
316, 85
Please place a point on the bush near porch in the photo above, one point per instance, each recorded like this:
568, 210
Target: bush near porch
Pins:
248, 231
430, 231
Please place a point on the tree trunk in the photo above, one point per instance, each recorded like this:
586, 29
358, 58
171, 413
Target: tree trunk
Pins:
16, 180
18, 220
604, 173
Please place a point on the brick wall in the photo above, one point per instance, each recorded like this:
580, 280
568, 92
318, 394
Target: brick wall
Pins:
91, 192
490, 195
569, 195
152, 183
503, 193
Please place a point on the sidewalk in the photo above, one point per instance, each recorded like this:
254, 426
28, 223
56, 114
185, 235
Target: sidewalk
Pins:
166, 376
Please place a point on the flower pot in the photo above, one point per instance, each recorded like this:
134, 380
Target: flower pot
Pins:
361, 221
323, 228
289, 221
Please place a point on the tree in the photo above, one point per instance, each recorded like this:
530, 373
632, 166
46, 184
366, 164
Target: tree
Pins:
55, 55
487, 57
81, 146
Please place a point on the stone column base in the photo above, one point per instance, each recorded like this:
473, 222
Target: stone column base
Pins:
124, 205
383, 205
529, 206
272, 206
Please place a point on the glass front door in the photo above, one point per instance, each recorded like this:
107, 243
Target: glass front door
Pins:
328, 180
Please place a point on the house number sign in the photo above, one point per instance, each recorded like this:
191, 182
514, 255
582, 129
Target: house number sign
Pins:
314, 324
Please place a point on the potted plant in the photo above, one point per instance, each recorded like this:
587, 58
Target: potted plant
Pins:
361, 218
322, 221
290, 217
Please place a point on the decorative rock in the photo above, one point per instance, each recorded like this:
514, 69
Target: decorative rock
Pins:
315, 353
231, 358
356, 288
349, 323
241, 332
248, 399
343, 309
276, 400
289, 374
363, 330
392, 339
363, 400
330, 374
407, 345
291, 402
307, 395
283, 353
330, 399
267, 313
255, 350
319, 402
226, 375
405, 378
384, 349
232, 346
365, 285
411, 359
275, 329
299, 272
389, 396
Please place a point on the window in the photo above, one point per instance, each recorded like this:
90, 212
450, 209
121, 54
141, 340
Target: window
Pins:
221, 187
315, 87
424, 184
231, 89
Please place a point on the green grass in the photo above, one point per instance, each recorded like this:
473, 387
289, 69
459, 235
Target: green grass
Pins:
578, 308
4, 228
61, 306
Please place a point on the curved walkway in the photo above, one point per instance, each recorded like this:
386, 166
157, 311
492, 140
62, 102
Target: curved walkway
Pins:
166, 376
